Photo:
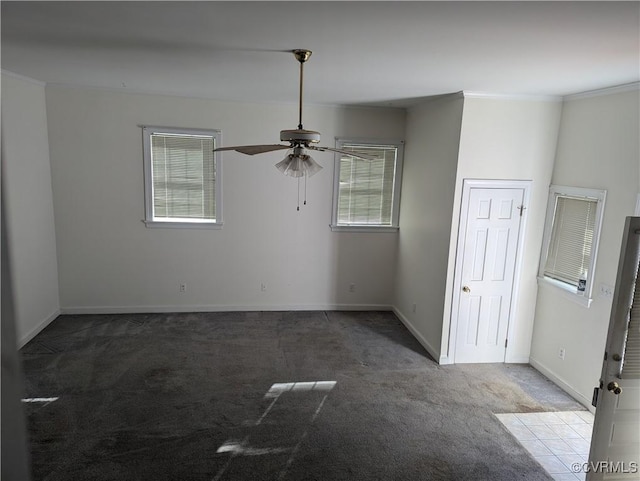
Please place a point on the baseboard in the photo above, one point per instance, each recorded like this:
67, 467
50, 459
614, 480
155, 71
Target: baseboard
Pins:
430, 349
220, 308
444, 360
36, 330
561, 383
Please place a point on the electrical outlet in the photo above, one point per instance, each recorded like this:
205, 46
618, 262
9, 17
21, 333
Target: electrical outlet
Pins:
352, 287
561, 353
183, 287
263, 287
606, 291
413, 308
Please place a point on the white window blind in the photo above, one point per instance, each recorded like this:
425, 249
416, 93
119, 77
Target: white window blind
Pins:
570, 247
366, 187
631, 358
184, 172
182, 178
570, 244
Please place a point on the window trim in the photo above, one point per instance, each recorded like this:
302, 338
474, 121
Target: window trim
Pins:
149, 221
567, 290
397, 185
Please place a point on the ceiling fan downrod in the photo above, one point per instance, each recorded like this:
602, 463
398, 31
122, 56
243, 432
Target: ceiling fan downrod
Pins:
301, 56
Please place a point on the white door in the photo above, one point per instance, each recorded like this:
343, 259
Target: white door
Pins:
489, 238
615, 446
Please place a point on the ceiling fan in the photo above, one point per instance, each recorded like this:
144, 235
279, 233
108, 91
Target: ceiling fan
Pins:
297, 163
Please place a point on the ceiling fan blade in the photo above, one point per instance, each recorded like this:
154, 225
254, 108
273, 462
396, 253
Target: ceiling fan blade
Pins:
254, 149
344, 152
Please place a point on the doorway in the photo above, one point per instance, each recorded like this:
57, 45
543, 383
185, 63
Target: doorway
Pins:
492, 220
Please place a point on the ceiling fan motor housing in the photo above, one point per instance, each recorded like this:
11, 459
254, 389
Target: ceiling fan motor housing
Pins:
300, 136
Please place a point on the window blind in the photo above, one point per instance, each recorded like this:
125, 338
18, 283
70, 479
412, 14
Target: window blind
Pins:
569, 255
631, 358
183, 171
365, 192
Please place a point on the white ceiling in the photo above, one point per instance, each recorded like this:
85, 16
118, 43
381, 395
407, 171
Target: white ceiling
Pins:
383, 53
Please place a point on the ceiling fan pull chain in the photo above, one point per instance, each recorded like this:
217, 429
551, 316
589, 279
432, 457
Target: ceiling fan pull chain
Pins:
298, 208
305, 188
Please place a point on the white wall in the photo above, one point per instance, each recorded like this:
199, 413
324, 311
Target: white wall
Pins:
598, 147
431, 155
508, 139
29, 207
448, 140
110, 262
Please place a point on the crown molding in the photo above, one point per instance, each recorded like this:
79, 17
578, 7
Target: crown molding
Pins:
616, 89
526, 97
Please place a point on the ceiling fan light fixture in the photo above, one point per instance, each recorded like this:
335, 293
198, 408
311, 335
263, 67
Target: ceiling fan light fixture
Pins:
298, 165
311, 166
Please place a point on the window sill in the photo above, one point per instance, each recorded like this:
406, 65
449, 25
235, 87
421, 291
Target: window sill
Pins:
363, 228
181, 225
568, 292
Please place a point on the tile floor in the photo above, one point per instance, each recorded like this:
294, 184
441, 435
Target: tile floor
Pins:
559, 441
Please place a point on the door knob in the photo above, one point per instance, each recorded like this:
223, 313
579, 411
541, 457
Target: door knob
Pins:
614, 387
466, 289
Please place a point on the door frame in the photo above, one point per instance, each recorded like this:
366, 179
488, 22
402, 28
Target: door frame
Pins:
467, 185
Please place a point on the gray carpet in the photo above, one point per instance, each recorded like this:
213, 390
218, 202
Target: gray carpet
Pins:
211, 396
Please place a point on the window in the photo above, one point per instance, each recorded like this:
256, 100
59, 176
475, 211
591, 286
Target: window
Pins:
182, 178
367, 192
570, 246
